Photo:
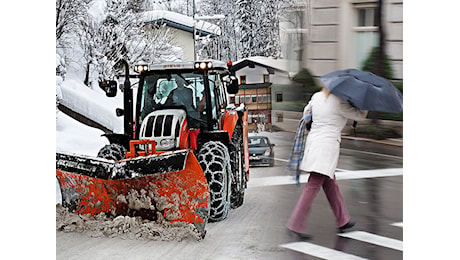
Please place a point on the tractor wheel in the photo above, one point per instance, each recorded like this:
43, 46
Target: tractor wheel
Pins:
237, 161
114, 152
215, 162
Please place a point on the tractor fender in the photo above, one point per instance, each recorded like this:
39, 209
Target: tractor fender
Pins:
230, 119
244, 119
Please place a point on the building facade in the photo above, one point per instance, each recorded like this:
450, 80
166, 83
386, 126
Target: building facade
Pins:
257, 77
183, 28
329, 35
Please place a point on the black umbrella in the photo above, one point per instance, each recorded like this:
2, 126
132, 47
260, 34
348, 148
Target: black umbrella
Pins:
364, 90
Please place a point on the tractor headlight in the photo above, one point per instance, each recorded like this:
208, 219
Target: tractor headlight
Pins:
203, 65
167, 143
141, 68
267, 152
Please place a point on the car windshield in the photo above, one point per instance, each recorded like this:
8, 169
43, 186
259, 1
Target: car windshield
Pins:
258, 141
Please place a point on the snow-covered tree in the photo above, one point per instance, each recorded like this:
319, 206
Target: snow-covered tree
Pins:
246, 15
105, 32
267, 41
69, 13
225, 46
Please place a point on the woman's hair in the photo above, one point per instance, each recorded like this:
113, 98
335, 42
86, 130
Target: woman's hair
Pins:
326, 91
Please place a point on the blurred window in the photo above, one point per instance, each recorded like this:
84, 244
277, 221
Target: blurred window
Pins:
366, 32
279, 97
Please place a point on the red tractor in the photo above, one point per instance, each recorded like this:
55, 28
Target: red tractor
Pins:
183, 156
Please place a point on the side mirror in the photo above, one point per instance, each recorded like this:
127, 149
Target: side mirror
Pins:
232, 86
109, 86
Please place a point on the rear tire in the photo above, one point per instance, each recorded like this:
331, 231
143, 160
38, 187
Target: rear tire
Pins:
215, 162
238, 173
114, 152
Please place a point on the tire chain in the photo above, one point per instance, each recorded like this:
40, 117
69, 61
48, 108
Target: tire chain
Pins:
213, 158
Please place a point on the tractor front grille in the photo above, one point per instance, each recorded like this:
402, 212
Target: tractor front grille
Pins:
163, 126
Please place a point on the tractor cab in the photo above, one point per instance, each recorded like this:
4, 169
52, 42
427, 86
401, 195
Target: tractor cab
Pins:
182, 86
176, 101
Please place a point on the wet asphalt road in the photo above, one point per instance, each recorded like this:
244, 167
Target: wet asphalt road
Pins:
375, 203
257, 230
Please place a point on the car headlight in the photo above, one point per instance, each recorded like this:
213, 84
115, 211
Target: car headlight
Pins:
267, 152
167, 143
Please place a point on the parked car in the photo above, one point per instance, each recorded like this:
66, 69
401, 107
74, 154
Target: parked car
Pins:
261, 151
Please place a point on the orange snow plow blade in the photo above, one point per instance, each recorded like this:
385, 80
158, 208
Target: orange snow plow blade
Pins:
169, 186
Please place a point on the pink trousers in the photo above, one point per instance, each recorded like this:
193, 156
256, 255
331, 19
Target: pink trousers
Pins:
331, 189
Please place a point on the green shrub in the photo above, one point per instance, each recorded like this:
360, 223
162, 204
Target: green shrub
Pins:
378, 132
305, 78
369, 64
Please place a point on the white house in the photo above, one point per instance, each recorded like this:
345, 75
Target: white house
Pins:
183, 27
261, 80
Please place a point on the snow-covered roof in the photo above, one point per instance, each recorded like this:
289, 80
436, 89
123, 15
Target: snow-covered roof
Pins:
290, 66
182, 22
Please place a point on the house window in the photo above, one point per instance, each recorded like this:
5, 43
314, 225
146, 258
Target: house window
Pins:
266, 98
279, 97
243, 79
232, 99
367, 17
366, 33
266, 78
247, 99
260, 99
254, 98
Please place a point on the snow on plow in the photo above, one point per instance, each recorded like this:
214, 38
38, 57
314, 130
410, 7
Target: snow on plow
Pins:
161, 187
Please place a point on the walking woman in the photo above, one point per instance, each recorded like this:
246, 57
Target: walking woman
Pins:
329, 115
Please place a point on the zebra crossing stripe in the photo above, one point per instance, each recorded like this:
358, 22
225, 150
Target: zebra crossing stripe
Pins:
340, 175
319, 251
374, 239
397, 224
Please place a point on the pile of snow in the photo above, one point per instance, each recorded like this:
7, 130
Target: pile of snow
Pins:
74, 137
92, 103
124, 227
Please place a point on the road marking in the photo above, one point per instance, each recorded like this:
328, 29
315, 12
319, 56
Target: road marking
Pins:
318, 251
340, 175
371, 153
397, 224
374, 239
357, 151
349, 175
283, 160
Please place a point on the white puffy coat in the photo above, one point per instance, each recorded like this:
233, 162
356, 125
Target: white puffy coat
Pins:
322, 148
